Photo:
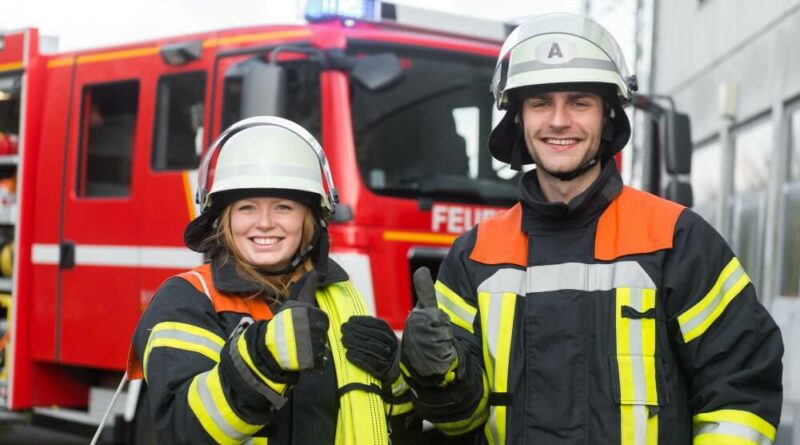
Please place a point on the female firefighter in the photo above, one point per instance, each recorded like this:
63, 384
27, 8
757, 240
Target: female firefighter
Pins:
258, 345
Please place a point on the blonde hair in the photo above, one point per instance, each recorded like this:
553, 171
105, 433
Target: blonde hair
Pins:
275, 287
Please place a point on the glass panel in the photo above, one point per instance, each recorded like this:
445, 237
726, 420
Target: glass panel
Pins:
107, 125
794, 140
753, 147
749, 211
706, 174
790, 274
9, 112
427, 134
302, 101
178, 132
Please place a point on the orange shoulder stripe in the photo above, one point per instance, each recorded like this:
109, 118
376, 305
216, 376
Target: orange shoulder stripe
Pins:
501, 239
256, 308
636, 222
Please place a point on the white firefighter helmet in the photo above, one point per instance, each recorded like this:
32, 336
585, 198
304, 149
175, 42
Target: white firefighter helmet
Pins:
261, 156
559, 52
265, 152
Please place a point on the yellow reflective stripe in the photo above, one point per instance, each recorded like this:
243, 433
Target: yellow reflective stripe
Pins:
695, 321
497, 321
461, 313
635, 342
241, 346
291, 341
256, 441
396, 409
478, 417
208, 403
732, 426
202, 416
183, 336
281, 341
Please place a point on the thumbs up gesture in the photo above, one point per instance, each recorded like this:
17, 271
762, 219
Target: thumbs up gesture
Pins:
428, 351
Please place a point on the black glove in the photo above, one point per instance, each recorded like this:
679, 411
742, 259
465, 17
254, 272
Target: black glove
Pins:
283, 353
372, 346
428, 351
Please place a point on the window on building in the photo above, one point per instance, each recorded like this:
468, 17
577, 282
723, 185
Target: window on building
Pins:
753, 148
790, 247
108, 121
178, 130
707, 179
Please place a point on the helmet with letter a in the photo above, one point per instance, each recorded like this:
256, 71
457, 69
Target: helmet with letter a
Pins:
559, 52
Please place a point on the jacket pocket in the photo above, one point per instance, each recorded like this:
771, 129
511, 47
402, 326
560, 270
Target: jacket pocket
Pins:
637, 371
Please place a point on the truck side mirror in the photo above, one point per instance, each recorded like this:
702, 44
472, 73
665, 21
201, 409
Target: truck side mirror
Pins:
377, 71
263, 90
679, 191
679, 144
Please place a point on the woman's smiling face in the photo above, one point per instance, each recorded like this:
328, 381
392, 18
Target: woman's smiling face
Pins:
267, 231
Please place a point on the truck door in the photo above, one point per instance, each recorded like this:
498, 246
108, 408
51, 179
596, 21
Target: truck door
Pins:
100, 228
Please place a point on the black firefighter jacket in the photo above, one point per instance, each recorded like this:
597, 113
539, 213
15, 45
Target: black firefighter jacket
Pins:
620, 318
196, 393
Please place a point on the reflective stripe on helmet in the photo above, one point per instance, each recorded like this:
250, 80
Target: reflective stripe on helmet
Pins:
265, 152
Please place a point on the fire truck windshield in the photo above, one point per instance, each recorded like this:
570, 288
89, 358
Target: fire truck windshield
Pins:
426, 134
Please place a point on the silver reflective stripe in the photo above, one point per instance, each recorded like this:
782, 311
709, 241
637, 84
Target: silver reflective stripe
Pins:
568, 276
505, 280
213, 411
579, 62
635, 345
175, 334
149, 257
445, 301
701, 316
733, 429
259, 170
637, 368
279, 323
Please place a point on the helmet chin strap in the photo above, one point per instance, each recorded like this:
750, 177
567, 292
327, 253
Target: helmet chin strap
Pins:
318, 242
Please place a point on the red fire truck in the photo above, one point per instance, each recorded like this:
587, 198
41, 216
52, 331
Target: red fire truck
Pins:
98, 158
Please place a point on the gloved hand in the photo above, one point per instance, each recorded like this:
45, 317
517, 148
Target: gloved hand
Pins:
372, 346
428, 353
296, 338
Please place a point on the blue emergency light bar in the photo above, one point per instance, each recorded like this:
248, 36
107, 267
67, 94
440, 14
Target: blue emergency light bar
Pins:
321, 10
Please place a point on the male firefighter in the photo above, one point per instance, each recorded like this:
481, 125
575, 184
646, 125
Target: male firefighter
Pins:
590, 312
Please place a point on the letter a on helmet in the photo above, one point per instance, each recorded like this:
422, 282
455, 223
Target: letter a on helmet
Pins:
558, 52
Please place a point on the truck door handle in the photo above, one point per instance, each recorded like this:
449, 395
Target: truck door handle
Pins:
66, 255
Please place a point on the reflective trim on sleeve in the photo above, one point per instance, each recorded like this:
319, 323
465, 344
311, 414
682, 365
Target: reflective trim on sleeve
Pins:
695, 321
732, 426
256, 441
497, 320
461, 313
208, 403
281, 342
636, 340
184, 336
479, 416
